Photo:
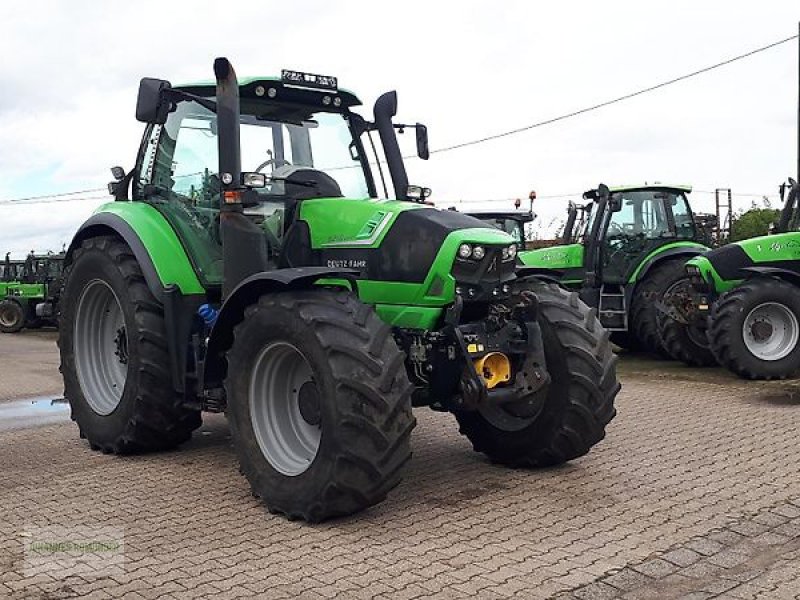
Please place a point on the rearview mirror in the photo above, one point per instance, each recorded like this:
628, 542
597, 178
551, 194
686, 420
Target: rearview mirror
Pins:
422, 142
615, 204
151, 105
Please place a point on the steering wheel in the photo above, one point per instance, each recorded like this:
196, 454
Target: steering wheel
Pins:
275, 162
616, 229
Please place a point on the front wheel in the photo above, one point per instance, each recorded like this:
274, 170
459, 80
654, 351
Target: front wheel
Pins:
687, 342
114, 358
12, 317
579, 401
754, 329
319, 404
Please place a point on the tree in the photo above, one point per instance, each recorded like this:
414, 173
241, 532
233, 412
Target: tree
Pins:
752, 223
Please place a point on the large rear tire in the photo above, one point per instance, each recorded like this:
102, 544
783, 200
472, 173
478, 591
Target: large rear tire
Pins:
754, 329
580, 399
644, 314
114, 357
686, 342
319, 404
12, 317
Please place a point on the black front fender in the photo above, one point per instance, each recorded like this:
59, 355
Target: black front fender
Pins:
248, 292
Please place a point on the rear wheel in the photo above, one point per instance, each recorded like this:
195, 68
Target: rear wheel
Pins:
114, 356
319, 404
687, 342
644, 314
12, 317
579, 401
754, 329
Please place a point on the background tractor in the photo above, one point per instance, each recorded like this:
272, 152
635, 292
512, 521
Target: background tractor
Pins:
28, 294
746, 297
622, 250
513, 222
310, 311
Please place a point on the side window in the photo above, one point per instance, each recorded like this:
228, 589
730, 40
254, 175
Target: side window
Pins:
623, 222
684, 223
179, 162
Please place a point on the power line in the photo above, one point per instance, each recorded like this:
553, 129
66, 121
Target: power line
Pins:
52, 196
617, 99
575, 113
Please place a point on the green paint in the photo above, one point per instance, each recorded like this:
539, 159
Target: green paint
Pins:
693, 245
768, 248
409, 317
25, 291
569, 256
710, 275
345, 222
651, 186
159, 239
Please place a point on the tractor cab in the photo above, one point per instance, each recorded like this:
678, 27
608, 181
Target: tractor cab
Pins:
512, 222
577, 221
636, 221
292, 139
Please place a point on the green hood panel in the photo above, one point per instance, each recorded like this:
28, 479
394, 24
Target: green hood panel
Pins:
768, 248
162, 244
556, 257
345, 222
720, 267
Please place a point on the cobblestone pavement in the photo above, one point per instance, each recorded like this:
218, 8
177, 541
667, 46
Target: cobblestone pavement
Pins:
29, 365
694, 493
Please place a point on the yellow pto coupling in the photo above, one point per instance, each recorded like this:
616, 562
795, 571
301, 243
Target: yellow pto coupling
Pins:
493, 368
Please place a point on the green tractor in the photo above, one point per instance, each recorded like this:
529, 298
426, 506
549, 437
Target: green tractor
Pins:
27, 297
622, 250
743, 299
314, 314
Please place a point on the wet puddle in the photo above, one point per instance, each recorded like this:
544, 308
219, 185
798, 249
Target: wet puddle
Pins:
33, 412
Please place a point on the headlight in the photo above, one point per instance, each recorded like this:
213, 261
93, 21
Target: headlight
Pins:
464, 251
478, 252
510, 252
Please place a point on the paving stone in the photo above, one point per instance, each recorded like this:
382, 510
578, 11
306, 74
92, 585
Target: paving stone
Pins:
668, 487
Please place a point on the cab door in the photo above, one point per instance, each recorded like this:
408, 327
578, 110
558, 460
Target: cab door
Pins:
639, 227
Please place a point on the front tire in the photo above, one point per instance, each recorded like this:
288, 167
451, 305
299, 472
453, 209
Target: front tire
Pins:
114, 358
754, 329
319, 404
580, 399
686, 342
643, 314
12, 317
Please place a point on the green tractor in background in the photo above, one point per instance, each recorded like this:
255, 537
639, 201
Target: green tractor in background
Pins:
28, 294
745, 297
622, 250
513, 222
308, 310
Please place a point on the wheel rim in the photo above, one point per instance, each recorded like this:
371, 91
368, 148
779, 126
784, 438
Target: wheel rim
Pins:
285, 408
770, 331
101, 347
7, 317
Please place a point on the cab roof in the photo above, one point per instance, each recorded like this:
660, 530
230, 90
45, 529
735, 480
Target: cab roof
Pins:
657, 185
259, 88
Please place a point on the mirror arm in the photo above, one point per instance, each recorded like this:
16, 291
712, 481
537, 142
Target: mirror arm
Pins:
178, 95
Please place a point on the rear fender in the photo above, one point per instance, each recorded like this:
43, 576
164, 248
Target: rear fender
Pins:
548, 275
247, 293
789, 276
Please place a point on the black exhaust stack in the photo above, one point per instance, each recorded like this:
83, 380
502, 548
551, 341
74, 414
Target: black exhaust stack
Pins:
385, 109
244, 250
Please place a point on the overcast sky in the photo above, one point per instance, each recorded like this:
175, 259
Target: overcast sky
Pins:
70, 72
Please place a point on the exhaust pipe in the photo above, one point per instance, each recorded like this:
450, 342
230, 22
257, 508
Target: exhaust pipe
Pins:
244, 249
385, 109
